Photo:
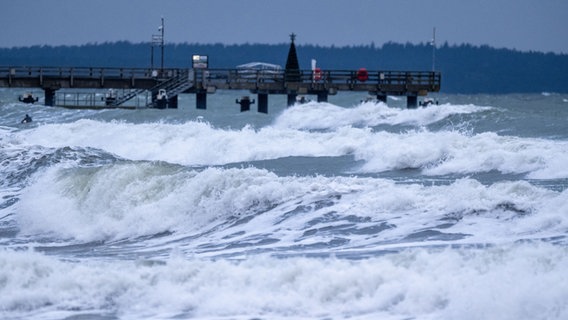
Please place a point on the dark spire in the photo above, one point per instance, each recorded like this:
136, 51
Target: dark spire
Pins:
293, 37
292, 66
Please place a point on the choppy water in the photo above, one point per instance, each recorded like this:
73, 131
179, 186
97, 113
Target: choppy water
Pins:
318, 211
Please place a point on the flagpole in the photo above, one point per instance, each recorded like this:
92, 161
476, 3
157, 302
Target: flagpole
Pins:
162, 45
434, 50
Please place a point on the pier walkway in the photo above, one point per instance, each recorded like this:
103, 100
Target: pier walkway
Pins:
202, 82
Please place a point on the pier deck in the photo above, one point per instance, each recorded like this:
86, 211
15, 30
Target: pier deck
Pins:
206, 81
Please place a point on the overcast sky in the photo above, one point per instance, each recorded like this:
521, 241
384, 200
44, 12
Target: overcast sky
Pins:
538, 25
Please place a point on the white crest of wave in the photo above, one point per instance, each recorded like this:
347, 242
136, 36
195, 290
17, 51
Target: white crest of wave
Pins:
524, 281
140, 199
131, 200
195, 143
320, 115
449, 152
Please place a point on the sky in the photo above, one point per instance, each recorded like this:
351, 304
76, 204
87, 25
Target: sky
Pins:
525, 25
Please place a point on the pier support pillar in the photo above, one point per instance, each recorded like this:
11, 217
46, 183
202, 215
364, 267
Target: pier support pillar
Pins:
263, 102
382, 98
49, 96
201, 100
173, 102
292, 99
412, 102
322, 97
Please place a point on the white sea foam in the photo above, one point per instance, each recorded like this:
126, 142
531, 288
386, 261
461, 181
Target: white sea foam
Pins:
447, 152
524, 281
193, 143
196, 143
328, 116
141, 199
145, 234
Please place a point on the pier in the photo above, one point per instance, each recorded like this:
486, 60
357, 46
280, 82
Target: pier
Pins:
203, 82
163, 85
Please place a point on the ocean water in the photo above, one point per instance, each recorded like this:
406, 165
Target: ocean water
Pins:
338, 210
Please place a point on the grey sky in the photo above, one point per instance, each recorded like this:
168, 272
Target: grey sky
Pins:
539, 25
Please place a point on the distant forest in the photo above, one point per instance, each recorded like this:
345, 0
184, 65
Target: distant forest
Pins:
465, 68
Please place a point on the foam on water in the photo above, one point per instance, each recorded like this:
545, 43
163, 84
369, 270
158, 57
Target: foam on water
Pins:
417, 283
243, 207
13, 113
130, 200
198, 143
172, 218
315, 115
191, 143
448, 152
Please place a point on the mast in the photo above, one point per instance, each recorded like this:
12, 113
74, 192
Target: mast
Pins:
433, 43
161, 28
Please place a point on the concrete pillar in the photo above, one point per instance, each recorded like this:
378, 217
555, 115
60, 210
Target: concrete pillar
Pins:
173, 102
49, 96
201, 100
291, 99
412, 102
263, 102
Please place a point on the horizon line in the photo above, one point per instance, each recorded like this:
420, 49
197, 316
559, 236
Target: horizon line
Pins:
372, 45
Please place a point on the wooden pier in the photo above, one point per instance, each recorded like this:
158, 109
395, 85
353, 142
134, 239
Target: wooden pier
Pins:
202, 82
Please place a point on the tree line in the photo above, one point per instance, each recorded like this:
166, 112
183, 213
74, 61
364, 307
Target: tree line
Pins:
465, 68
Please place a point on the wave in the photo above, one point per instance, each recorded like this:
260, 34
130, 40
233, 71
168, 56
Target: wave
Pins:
129, 200
390, 216
228, 211
197, 143
13, 113
317, 116
450, 152
192, 143
523, 281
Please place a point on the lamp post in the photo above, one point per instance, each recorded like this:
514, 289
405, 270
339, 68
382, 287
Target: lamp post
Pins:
433, 43
151, 55
161, 28
158, 39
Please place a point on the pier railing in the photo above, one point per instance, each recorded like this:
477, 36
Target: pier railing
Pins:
26, 71
421, 78
331, 76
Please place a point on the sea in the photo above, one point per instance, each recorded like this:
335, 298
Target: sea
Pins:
323, 210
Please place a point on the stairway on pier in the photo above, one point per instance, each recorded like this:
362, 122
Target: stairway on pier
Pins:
173, 86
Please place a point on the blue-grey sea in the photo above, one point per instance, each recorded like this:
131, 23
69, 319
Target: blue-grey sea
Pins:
332, 210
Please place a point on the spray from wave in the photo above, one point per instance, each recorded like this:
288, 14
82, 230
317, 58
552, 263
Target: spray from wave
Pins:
322, 116
441, 284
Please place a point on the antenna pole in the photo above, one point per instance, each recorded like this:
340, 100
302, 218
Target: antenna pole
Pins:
162, 45
434, 49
